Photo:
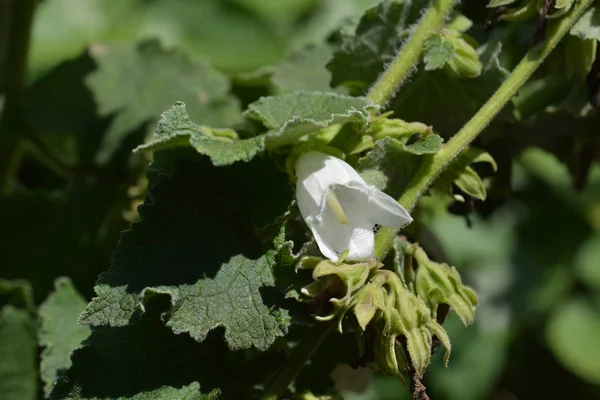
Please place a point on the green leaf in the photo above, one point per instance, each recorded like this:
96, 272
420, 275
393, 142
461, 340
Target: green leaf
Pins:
223, 33
293, 115
175, 128
388, 166
588, 26
197, 242
60, 334
304, 70
498, 3
18, 355
146, 361
18, 293
572, 333
586, 262
462, 175
378, 37
446, 102
138, 83
428, 144
438, 51
62, 123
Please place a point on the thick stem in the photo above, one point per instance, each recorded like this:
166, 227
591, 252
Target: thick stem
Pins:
300, 355
19, 32
394, 76
432, 166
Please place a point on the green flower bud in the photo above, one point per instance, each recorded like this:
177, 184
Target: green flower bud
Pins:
338, 283
579, 55
465, 61
439, 283
367, 303
389, 357
353, 276
408, 315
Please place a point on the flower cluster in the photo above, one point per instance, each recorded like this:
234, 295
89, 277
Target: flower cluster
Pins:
396, 313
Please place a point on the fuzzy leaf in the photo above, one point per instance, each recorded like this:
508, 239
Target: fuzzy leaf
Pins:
203, 252
390, 165
293, 115
377, 39
588, 26
438, 51
60, 334
175, 128
446, 102
138, 83
462, 175
18, 355
304, 70
146, 361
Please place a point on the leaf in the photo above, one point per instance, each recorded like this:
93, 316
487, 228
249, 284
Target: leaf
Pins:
18, 355
571, 333
388, 166
196, 242
62, 124
146, 361
293, 115
438, 51
588, 26
428, 144
222, 33
446, 102
18, 293
378, 37
138, 83
60, 334
498, 3
175, 128
586, 262
304, 70
462, 175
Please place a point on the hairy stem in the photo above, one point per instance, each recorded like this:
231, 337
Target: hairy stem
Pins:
394, 76
432, 166
300, 355
19, 31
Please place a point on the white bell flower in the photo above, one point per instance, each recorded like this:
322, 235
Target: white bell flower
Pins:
341, 209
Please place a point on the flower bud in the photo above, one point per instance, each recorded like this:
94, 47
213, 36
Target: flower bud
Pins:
579, 55
440, 284
367, 303
465, 61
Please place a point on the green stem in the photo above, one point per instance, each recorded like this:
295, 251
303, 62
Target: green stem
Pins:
432, 166
394, 76
19, 33
300, 355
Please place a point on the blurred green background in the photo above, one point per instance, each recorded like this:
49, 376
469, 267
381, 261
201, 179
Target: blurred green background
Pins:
100, 72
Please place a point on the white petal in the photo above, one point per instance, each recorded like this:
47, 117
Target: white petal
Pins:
356, 235
386, 211
318, 171
364, 207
